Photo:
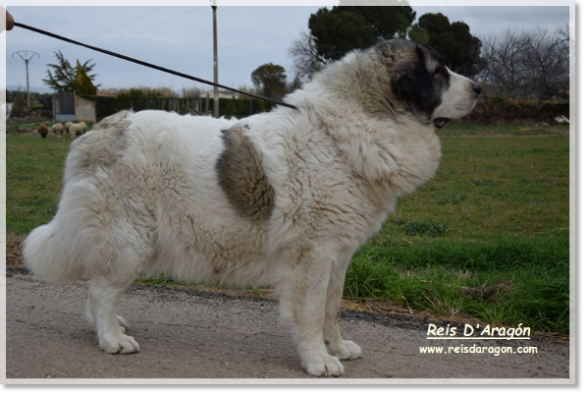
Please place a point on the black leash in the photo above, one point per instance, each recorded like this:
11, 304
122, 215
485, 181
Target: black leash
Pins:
189, 77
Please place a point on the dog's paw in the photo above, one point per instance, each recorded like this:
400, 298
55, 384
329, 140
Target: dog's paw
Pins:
345, 350
121, 344
123, 324
324, 365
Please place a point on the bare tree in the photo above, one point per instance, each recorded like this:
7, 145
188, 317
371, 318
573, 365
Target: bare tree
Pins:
247, 89
306, 59
110, 91
529, 64
192, 92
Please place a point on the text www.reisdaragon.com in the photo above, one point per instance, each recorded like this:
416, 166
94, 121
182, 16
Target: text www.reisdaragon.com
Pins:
474, 349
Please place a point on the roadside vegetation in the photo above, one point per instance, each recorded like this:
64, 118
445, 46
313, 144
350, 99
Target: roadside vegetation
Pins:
487, 237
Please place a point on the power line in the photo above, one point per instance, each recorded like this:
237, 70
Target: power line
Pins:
126, 23
150, 27
133, 20
26, 59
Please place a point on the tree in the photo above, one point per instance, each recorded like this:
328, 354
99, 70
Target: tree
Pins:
460, 49
335, 32
386, 22
296, 84
83, 84
64, 76
271, 80
417, 33
529, 64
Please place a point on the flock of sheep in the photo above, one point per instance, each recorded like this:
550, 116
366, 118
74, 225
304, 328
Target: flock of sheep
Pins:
70, 128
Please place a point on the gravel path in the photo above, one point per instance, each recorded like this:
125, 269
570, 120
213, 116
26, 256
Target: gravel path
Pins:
187, 334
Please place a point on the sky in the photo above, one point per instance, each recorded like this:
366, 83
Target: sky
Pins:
180, 37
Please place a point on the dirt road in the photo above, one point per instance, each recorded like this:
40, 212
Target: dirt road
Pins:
192, 334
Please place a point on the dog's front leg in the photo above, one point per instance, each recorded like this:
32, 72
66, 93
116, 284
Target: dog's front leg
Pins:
302, 308
343, 349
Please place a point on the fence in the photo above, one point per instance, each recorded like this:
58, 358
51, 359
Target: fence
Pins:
106, 106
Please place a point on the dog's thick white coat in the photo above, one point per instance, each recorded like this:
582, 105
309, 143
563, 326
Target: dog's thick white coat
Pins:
141, 197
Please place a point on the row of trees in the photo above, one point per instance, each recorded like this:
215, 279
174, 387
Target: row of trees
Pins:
528, 65
334, 32
533, 64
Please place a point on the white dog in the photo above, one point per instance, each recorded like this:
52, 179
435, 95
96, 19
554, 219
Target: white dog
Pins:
282, 198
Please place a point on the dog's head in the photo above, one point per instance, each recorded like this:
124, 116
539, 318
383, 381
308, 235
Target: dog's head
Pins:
420, 85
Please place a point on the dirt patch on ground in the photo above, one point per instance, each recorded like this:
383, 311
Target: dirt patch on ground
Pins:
16, 129
14, 255
32, 119
188, 334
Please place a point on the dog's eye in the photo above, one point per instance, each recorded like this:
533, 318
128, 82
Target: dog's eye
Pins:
438, 71
440, 122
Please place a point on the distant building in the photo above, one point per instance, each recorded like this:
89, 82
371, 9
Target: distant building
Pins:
221, 94
69, 107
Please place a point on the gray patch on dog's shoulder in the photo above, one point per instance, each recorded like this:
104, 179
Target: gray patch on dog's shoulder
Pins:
242, 177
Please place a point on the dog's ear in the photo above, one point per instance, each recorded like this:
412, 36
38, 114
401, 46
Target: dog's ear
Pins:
416, 82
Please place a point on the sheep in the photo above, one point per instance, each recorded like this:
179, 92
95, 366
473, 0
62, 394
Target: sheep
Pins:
77, 129
58, 129
67, 126
43, 130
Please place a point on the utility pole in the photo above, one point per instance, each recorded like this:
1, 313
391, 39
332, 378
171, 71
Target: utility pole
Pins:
216, 96
26, 60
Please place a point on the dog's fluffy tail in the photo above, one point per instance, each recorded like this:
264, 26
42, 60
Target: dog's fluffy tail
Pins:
44, 254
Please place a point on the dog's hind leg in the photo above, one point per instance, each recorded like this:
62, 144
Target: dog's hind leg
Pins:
302, 301
91, 316
124, 255
343, 349
119, 251
104, 295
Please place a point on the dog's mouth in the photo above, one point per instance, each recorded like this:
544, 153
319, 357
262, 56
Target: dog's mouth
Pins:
440, 122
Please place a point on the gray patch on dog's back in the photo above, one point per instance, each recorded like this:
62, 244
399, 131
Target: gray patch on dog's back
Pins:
113, 121
242, 177
100, 147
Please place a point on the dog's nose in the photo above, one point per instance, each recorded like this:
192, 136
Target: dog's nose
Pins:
477, 88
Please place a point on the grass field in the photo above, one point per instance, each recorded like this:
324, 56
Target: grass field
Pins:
487, 237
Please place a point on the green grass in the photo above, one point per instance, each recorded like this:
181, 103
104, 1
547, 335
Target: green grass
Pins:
494, 217
511, 130
432, 274
495, 185
34, 174
162, 280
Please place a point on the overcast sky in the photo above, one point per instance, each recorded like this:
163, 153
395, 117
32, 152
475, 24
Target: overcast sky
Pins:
180, 38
